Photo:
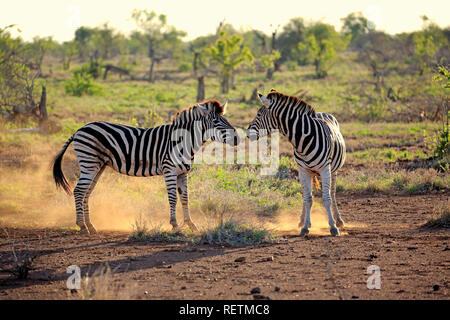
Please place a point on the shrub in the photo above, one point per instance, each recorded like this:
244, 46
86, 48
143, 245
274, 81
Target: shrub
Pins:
185, 67
82, 82
233, 234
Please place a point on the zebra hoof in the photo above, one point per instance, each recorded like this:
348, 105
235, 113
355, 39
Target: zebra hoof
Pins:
84, 230
334, 232
339, 223
92, 229
304, 232
192, 226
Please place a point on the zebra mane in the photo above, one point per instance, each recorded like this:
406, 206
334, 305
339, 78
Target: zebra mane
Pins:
192, 113
292, 101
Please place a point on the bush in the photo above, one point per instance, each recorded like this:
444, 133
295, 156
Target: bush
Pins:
291, 65
82, 82
185, 67
233, 234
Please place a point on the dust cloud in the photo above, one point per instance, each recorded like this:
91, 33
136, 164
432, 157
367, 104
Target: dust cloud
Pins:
286, 223
30, 199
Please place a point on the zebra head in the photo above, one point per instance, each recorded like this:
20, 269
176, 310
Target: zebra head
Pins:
217, 127
264, 121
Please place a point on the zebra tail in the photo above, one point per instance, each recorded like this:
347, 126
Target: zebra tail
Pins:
316, 183
58, 175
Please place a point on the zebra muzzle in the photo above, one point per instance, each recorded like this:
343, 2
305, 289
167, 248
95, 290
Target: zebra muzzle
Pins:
252, 134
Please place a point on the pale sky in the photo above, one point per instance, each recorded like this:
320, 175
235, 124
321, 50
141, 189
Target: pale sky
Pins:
60, 18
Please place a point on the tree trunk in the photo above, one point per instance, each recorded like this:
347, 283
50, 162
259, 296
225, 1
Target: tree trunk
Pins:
225, 84
151, 55
269, 74
194, 62
317, 67
200, 88
379, 82
43, 106
254, 96
276, 63
150, 72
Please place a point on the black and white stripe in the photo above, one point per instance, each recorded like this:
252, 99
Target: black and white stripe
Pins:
166, 150
319, 147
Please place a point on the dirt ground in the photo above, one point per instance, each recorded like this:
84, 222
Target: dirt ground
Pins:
384, 231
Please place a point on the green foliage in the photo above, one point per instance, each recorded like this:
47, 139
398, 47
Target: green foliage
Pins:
103, 40
69, 50
82, 81
321, 44
267, 60
427, 42
17, 78
229, 53
287, 43
442, 148
425, 49
356, 26
83, 36
161, 39
291, 65
443, 77
184, 67
151, 119
228, 234
233, 234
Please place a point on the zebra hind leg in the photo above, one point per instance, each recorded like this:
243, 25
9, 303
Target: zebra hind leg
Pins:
87, 219
325, 174
336, 213
79, 193
183, 193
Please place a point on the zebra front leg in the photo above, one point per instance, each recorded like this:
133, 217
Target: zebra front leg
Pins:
302, 217
87, 219
171, 185
183, 193
336, 213
325, 174
305, 179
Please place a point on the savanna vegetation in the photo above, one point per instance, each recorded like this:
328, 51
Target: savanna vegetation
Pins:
390, 94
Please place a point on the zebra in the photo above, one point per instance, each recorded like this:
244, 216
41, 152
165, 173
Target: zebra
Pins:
319, 148
144, 152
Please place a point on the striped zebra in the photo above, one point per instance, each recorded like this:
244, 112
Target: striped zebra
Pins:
319, 148
166, 150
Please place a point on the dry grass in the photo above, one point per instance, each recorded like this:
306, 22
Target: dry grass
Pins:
21, 262
100, 286
441, 216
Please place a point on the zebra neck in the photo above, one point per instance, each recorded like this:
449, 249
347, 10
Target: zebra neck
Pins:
298, 126
189, 135
290, 121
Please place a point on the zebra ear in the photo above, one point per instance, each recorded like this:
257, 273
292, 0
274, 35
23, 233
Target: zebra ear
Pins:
225, 105
203, 109
264, 100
